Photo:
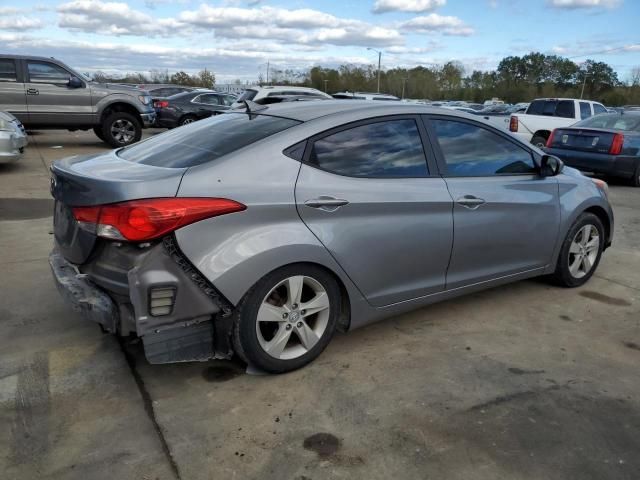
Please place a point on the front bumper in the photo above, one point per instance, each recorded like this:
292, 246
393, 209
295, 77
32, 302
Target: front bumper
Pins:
12, 145
148, 119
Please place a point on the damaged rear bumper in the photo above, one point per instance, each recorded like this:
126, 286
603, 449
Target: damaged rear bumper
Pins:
152, 291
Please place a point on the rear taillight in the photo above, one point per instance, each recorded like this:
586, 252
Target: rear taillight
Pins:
161, 104
513, 124
550, 139
616, 144
147, 219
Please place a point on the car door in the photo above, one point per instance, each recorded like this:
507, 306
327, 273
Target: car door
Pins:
506, 216
370, 193
12, 90
50, 99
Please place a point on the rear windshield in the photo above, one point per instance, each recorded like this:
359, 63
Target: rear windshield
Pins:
205, 140
247, 95
615, 121
552, 108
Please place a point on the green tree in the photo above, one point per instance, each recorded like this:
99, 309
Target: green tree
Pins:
206, 79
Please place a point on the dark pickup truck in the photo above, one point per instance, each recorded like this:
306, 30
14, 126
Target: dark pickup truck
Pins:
44, 93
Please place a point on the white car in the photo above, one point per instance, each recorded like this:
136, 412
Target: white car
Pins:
13, 138
255, 94
546, 114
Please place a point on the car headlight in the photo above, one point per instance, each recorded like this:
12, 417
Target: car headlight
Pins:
145, 99
602, 185
5, 125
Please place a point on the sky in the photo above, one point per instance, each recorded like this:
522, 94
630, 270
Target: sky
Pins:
236, 38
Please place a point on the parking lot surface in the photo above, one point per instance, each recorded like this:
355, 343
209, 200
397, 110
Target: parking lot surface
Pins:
526, 381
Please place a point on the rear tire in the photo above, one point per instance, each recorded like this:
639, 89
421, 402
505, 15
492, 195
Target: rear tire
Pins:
287, 319
581, 252
539, 141
120, 129
187, 119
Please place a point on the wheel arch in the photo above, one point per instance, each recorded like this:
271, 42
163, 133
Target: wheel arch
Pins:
119, 106
541, 133
604, 218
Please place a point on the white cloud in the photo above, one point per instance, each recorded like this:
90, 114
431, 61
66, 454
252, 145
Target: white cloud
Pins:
414, 6
577, 4
18, 24
433, 23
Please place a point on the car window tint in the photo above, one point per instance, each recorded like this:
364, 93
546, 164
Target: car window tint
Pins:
8, 70
206, 99
205, 140
383, 149
247, 95
42, 72
471, 151
536, 107
585, 110
598, 109
565, 109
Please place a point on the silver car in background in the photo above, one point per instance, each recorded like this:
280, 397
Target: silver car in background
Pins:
262, 232
13, 138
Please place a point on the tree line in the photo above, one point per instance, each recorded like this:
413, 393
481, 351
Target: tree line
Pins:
516, 79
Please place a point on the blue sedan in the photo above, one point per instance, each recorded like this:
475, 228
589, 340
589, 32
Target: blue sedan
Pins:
607, 144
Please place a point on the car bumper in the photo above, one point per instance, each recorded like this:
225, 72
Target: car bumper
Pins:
148, 119
12, 145
522, 136
619, 166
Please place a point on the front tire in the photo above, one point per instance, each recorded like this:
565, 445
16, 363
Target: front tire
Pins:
581, 251
287, 319
539, 141
121, 129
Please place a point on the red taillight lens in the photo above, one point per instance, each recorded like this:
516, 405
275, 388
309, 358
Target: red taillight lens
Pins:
161, 104
550, 139
513, 124
617, 144
143, 220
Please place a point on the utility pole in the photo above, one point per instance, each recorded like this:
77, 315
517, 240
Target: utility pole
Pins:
404, 81
267, 72
379, 61
325, 85
583, 84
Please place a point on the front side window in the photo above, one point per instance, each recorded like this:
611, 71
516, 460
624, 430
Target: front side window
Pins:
585, 110
473, 151
44, 72
598, 109
391, 148
248, 95
8, 70
204, 141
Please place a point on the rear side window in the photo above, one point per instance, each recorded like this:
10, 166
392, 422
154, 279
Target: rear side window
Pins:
8, 70
391, 148
585, 110
598, 109
205, 140
473, 151
44, 72
247, 95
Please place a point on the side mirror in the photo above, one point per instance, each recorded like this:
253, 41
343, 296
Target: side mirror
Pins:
550, 166
75, 82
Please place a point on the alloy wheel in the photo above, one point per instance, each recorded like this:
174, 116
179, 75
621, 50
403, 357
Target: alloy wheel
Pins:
293, 317
123, 131
584, 251
187, 121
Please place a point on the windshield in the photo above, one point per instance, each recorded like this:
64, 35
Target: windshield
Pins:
614, 121
205, 140
247, 95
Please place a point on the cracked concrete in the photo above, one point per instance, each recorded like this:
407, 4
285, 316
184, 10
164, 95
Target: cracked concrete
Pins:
527, 381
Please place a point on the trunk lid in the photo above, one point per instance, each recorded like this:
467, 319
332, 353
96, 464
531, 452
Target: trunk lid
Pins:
97, 180
583, 139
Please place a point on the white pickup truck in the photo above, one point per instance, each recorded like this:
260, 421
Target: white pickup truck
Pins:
545, 114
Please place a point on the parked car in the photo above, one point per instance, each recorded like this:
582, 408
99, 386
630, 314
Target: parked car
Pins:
608, 144
13, 138
545, 114
45, 93
159, 91
365, 96
188, 107
263, 231
256, 93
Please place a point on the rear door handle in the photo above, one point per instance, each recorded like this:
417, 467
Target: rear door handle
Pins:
32, 91
327, 203
470, 202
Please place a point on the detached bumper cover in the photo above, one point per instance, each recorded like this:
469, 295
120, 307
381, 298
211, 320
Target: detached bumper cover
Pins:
81, 294
12, 144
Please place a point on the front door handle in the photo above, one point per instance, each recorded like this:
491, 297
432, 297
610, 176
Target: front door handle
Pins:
470, 202
327, 203
32, 91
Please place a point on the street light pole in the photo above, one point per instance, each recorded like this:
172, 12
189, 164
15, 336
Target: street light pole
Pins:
325, 85
379, 62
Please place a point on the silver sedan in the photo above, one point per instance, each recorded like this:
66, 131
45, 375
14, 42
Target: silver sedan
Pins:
262, 232
13, 138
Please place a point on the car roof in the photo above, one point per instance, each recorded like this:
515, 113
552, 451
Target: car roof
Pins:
306, 111
28, 57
